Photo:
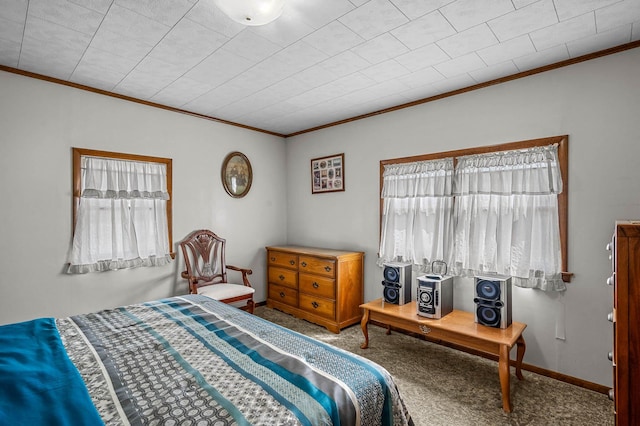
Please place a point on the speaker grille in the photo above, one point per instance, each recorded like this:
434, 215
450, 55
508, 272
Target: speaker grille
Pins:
396, 283
493, 301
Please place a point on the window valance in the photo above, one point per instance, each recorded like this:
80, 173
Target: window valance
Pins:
123, 179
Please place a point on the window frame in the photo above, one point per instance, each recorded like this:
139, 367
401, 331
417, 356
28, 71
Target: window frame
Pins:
563, 197
78, 153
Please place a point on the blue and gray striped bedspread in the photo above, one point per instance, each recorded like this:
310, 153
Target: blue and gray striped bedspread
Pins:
191, 358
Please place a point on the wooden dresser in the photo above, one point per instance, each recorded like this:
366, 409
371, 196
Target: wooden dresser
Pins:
319, 285
626, 322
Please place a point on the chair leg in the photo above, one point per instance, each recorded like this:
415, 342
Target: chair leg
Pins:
250, 306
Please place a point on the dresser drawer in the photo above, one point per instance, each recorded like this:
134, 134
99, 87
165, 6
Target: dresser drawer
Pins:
317, 286
317, 305
314, 265
279, 258
285, 277
283, 294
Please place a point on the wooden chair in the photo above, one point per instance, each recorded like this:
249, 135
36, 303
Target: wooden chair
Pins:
206, 270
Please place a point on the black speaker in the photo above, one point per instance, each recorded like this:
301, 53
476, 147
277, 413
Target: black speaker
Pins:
434, 296
493, 300
396, 283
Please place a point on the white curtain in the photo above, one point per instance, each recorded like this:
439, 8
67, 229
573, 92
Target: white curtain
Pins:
417, 223
121, 216
506, 216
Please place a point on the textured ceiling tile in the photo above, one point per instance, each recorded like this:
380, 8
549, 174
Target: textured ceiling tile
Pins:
422, 58
188, 43
538, 59
344, 63
251, 46
374, 18
494, 72
167, 12
300, 55
315, 76
511, 49
287, 31
96, 62
333, 39
184, 89
11, 31
460, 65
424, 30
468, 41
455, 83
101, 6
117, 43
208, 15
601, 41
384, 71
564, 32
66, 14
415, 9
622, 13
530, 18
422, 77
219, 67
14, 10
9, 53
131, 25
465, 14
519, 4
568, 9
317, 13
380, 48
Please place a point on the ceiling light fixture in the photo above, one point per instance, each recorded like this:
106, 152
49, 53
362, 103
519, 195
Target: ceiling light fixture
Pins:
251, 12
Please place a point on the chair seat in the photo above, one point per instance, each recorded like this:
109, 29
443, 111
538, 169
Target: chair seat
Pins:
225, 291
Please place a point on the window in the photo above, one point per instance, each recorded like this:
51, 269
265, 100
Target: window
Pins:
509, 214
122, 211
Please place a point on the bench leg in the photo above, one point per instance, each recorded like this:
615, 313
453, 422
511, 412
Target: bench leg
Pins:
364, 323
521, 347
503, 369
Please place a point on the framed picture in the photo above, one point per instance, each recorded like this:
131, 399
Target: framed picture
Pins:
236, 174
327, 174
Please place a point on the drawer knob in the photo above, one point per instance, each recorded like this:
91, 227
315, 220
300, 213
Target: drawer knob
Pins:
281, 277
282, 294
327, 268
612, 395
304, 264
315, 304
273, 259
611, 280
610, 317
315, 285
610, 356
425, 329
292, 262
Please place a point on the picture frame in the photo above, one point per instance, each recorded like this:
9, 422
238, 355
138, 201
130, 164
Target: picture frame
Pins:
327, 174
236, 174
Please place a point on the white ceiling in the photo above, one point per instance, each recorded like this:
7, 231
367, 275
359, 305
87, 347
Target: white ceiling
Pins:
321, 62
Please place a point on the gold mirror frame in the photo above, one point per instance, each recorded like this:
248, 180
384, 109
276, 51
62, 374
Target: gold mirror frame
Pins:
236, 174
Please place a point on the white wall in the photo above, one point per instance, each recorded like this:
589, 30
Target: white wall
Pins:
41, 121
596, 103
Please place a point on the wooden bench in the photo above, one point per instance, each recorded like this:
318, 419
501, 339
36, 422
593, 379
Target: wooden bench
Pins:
457, 327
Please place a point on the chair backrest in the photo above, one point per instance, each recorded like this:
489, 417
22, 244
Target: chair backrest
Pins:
204, 258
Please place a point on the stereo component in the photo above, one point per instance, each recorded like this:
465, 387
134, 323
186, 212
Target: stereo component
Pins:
396, 283
434, 298
493, 300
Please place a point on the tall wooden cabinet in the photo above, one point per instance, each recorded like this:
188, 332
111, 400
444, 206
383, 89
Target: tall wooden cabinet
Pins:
323, 286
626, 322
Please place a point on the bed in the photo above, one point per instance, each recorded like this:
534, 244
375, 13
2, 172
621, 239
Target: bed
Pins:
185, 360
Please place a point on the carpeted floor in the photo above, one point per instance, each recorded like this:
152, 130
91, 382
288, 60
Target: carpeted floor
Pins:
443, 386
